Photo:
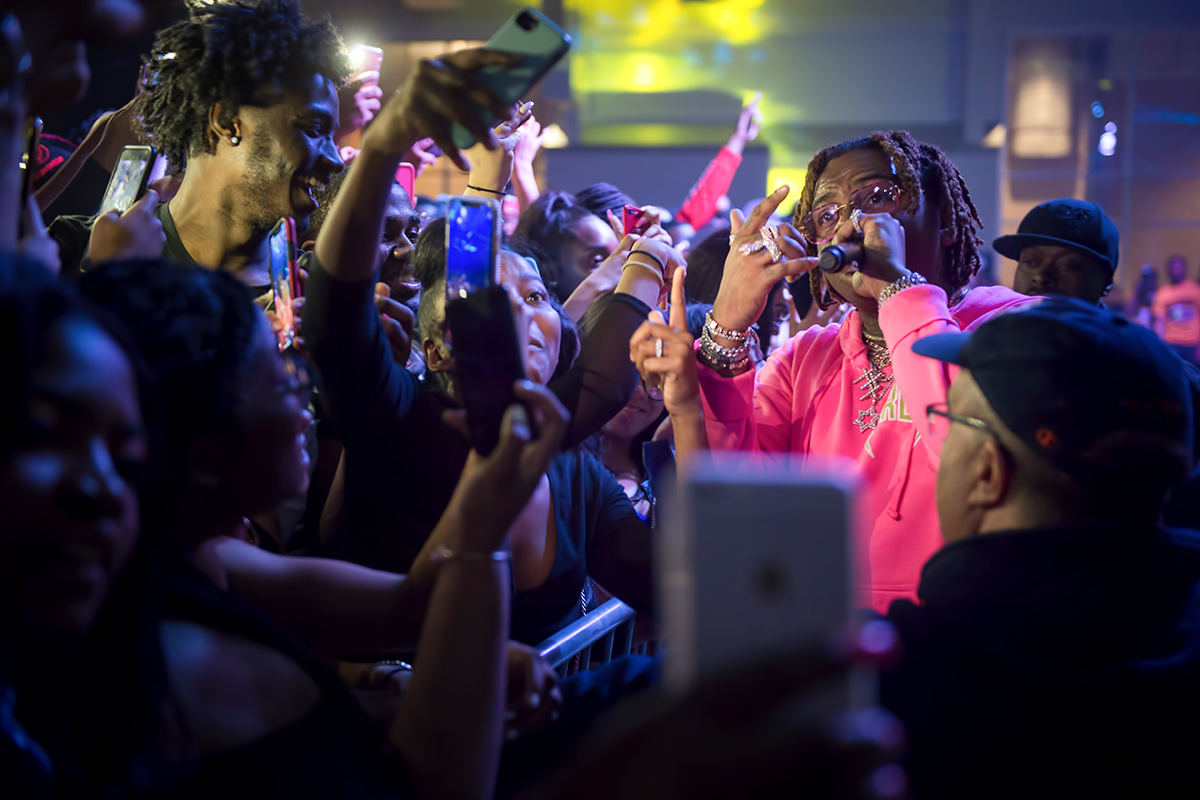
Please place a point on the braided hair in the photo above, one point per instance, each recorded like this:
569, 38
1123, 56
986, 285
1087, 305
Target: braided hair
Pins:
544, 228
233, 53
920, 169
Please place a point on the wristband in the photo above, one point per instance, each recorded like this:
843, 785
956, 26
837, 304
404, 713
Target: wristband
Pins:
662, 268
489, 191
443, 554
908, 281
652, 267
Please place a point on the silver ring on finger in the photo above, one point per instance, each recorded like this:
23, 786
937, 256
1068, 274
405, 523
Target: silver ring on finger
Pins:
658, 348
856, 220
750, 248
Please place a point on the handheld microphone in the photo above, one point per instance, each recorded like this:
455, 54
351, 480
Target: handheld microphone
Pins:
840, 256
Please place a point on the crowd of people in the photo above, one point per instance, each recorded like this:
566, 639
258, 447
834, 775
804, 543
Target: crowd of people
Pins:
227, 566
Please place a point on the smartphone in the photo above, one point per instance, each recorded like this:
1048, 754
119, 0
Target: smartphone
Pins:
540, 41
129, 179
760, 558
473, 237
634, 220
480, 327
366, 59
284, 278
33, 133
406, 175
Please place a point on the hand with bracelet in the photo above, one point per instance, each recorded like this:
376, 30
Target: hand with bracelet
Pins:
759, 257
492, 169
659, 258
493, 490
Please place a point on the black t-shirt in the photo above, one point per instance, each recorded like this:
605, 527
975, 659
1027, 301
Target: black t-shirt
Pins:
72, 234
403, 462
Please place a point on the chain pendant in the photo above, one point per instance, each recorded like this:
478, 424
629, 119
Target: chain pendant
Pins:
875, 384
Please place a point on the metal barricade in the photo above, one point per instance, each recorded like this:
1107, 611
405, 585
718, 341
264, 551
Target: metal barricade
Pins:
604, 634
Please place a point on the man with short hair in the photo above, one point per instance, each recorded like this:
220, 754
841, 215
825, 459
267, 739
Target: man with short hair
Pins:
245, 97
1056, 649
1064, 247
1176, 310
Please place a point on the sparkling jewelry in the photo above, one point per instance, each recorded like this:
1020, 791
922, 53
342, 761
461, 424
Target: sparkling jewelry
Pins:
908, 281
658, 348
873, 381
443, 554
856, 220
750, 248
769, 241
716, 329
235, 140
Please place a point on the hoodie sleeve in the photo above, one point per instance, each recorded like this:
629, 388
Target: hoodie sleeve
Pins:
754, 412
921, 311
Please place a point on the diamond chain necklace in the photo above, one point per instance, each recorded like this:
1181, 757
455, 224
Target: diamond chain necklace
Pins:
873, 380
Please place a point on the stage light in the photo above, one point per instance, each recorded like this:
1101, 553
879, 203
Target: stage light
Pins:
1097, 110
1108, 143
556, 137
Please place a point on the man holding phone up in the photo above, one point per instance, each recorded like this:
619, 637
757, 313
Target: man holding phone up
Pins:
252, 155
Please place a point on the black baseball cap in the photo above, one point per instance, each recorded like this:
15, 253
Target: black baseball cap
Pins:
1065, 222
1062, 374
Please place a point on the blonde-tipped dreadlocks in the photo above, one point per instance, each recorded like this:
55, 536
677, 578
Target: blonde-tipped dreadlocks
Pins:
918, 166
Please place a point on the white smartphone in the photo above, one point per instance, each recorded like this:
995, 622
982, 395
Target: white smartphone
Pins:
760, 559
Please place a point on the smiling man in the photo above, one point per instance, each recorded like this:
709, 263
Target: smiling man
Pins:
242, 96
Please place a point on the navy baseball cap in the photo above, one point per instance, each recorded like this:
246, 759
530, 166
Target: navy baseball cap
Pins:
1063, 374
1065, 222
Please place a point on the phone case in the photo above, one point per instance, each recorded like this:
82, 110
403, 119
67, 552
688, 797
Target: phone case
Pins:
129, 178
406, 175
487, 361
284, 278
542, 47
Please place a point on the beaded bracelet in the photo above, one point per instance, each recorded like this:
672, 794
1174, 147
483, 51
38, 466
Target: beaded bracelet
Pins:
908, 281
720, 357
716, 329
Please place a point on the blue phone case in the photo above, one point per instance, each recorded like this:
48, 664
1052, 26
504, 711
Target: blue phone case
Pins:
542, 47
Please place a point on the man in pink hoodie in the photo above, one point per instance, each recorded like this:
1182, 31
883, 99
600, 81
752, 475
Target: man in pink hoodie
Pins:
902, 211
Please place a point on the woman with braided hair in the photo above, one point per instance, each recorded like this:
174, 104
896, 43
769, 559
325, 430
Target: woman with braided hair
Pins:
855, 389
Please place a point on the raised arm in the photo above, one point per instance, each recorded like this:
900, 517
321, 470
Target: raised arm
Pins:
449, 728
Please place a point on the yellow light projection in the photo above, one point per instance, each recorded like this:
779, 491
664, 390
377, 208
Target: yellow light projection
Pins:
660, 46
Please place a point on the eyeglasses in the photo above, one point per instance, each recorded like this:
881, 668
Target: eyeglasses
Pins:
940, 419
820, 224
298, 380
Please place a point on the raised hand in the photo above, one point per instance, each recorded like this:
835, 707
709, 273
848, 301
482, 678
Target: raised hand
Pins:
138, 233
748, 278
493, 490
883, 240
528, 144
398, 324
437, 93
358, 102
748, 125
419, 155
675, 371
491, 168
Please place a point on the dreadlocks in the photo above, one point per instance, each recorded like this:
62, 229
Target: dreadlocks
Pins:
235, 54
919, 166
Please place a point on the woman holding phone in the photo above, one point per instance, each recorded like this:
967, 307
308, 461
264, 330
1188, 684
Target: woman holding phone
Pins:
854, 389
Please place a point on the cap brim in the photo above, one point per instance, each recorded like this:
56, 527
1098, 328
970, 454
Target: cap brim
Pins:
942, 346
1011, 246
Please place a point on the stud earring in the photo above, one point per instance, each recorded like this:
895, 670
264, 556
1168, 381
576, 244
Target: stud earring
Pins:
235, 140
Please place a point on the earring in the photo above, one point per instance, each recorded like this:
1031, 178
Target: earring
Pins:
235, 140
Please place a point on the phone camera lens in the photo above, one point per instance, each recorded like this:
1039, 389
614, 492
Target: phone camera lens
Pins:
527, 21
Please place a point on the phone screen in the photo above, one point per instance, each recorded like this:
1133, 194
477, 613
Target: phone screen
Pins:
283, 256
128, 179
471, 245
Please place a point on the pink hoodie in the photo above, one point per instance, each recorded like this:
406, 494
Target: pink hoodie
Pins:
805, 400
